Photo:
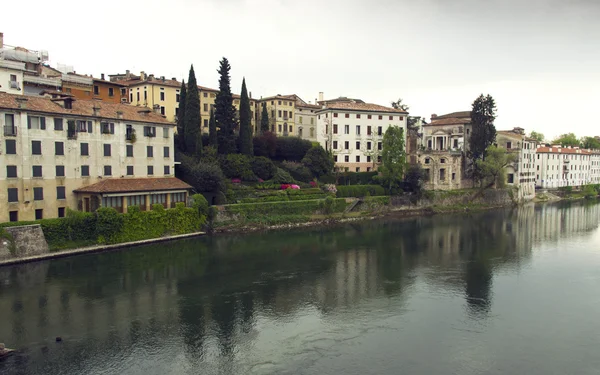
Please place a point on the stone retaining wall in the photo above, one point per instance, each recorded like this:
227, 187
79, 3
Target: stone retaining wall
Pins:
27, 240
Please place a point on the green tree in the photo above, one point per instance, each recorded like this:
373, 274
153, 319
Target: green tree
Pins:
191, 122
568, 139
483, 133
492, 168
414, 180
399, 105
246, 146
264, 119
592, 143
537, 136
181, 118
318, 161
393, 157
212, 130
225, 117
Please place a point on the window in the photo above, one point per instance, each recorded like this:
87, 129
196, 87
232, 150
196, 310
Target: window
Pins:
205, 123
111, 91
291, 129
453, 176
300, 119
205, 94
13, 215
335, 115
456, 143
162, 96
11, 147
369, 130
346, 145
335, 158
149, 131
107, 127
38, 194
58, 124
130, 170
442, 174
347, 115
335, 129
379, 130
145, 95
11, 171
442, 161
177, 197
166, 152
36, 147
380, 117
357, 129
167, 170
508, 145
358, 158
131, 97
84, 126
61, 212
346, 129
357, 169
137, 200
85, 171
108, 170
391, 118
379, 145
165, 132
279, 128
335, 145
358, 145
115, 202
358, 115
279, 113
510, 178
59, 148
150, 170
36, 171
13, 194
368, 145
9, 125
162, 110
60, 171
96, 90
106, 149
60, 192
347, 158
85, 150
34, 122
368, 161
129, 151
368, 117
149, 151
39, 214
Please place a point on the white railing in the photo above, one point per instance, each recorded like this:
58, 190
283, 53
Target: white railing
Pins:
53, 81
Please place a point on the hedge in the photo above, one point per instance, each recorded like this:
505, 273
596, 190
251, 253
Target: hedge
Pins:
359, 191
357, 178
305, 207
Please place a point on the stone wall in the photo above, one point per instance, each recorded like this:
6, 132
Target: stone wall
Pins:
26, 241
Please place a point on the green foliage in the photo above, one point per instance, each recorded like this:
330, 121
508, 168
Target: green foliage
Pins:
414, 179
225, 113
264, 119
282, 177
483, 133
492, 166
267, 186
566, 189
204, 177
191, 121
200, 204
537, 136
318, 161
592, 143
291, 148
327, 205
589, 191
237, 166
263, 167
568, 139
305, 207
393, 157
108, 224
265, 144
354, 178
246, 146
399, 105
359, 191
297, 170
213, 139
181, 117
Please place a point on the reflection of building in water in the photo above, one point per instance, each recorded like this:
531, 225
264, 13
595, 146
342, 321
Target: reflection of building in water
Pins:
564, 220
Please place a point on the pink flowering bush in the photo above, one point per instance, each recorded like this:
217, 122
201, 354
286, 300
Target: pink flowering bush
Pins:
314, 184
261, 180
330, 188
285, 186
236, 181
295, 187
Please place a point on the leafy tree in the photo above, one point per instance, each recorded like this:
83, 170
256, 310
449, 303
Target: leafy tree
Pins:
393, 157
318, 161
246, 146
492, 168
414, 179
264, 119
399, 105
568, 139
374, 152
204, 177
225, 116
291, 148
212, 130
591, 143
181, 118
537, 136
483, 133
263, 167
191, 121
265, 145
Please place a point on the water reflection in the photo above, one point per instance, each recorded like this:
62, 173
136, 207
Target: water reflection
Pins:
207, 302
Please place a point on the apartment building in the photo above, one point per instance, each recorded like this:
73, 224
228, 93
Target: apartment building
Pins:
207, 102
11, 76
107, 91
522, 172
305, 118
353, 130
595, 167
155, 93
57, 152
558, 166
281, 110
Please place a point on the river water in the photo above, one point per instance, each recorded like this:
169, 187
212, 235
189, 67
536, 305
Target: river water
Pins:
500, 292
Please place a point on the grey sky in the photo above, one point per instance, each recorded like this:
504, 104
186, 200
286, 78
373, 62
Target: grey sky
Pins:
539, 59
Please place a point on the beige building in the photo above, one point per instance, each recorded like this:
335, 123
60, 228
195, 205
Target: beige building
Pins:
53, 150
156, 93
207, 102
281, 110
305, 117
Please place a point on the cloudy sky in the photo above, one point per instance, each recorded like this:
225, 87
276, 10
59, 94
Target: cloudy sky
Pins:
540, 59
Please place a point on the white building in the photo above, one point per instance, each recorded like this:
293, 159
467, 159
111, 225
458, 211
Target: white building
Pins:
58, 153
558, 166
305, 117
11, 76
595, 167
522, 173
353, 130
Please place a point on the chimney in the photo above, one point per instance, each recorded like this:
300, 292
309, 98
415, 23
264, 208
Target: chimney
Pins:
433, 115
250, 94
96, 109
120, 113
102, 76
173, 78
142, 75
320, 96
127, 74
156, 109
1, 40
162, 78
151, 77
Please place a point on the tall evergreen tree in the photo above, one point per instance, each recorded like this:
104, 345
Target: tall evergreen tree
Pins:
264, 119
245, 143
225, 117
212, 130
180, 118
483, 133
192, 117
393, 157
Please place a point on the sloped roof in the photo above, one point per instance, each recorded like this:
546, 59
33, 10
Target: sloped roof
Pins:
81, 108
130, 185
460, 114
448, 121
361, 106
562, 150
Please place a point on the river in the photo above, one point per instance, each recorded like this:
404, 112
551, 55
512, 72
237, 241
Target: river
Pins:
513, 291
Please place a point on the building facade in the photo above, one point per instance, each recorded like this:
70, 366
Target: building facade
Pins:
522, 172
155, 93
111, 92
281, 110
207, 103
305, 118
558, 166
11, 77
353, 132
51, 149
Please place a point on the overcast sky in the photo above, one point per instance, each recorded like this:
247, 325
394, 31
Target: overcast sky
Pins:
540, 59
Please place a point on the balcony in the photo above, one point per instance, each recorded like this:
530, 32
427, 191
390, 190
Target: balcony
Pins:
10, 131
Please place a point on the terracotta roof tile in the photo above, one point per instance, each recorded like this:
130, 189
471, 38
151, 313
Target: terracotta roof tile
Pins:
460, 114
362, 107
82, 108
448, 121
562, 150
153, 81
130, 185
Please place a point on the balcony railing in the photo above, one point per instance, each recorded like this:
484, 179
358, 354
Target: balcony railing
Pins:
10, 131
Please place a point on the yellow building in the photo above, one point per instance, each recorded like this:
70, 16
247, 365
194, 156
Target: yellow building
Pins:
149, 91
207, 102
280, 109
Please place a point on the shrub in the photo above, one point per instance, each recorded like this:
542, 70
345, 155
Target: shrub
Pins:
297, 170
359, 191
236, 166
283, 208
318, 161
265, 145
263, 167
291, 148
357, 178
204, 177
589, 191
200, 204
109, 223
282, 177
414, 179
330, 188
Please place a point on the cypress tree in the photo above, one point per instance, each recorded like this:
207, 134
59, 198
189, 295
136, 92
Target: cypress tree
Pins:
246, 146
212, 130
180, 118
192, 117
225, 117
264, 119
